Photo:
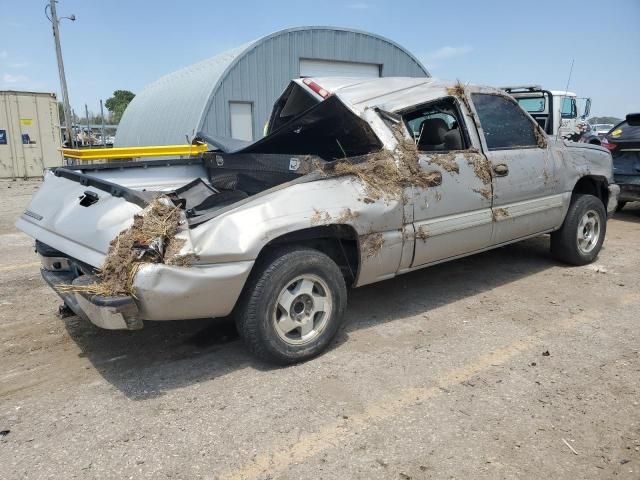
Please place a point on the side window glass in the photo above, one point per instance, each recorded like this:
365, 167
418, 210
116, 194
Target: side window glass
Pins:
436, 127
504, 123
569, 109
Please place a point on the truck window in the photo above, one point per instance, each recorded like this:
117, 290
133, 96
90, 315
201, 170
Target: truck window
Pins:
569, 109
436, 126
532, 104
505, 124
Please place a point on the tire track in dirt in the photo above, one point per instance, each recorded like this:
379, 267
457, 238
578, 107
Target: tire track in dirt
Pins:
309, 445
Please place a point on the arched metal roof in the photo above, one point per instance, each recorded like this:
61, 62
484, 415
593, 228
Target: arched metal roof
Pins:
173, 102
180, 103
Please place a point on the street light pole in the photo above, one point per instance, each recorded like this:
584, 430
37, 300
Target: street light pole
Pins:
63, 81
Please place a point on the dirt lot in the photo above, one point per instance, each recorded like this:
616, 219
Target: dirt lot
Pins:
443, 373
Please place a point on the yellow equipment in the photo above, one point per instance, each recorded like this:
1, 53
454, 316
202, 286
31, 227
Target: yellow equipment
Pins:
88, 154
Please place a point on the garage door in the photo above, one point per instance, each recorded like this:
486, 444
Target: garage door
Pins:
331, 68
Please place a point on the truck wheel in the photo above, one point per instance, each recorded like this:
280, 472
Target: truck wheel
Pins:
292, 306
580, 238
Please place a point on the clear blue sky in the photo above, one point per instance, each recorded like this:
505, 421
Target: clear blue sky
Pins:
122, 44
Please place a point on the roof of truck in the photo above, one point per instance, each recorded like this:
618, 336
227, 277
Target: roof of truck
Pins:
390, 93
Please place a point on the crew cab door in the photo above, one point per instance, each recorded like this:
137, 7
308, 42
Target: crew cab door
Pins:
453, 218
526, 200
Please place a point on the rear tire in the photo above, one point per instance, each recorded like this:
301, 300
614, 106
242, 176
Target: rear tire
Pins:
580, 238
292, 306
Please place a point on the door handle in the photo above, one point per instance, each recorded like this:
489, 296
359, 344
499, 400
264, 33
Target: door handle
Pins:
501, 169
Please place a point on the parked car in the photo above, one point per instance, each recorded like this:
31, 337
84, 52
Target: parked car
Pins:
624, 143
595, 133
357, 181
601, 129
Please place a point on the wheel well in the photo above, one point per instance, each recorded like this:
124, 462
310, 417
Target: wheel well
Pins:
595, 186
339, 242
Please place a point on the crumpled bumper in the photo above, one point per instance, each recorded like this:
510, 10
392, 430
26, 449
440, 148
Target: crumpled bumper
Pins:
112, 313
162, 292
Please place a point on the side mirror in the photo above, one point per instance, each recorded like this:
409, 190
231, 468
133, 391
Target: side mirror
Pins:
633, 119
587, 108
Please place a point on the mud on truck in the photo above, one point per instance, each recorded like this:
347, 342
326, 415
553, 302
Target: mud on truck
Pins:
356, 181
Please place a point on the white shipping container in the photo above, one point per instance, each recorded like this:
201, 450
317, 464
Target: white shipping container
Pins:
29, 134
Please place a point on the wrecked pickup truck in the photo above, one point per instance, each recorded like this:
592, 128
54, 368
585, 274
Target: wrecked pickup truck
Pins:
357, 181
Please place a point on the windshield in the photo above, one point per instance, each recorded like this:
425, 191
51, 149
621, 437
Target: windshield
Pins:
532, 104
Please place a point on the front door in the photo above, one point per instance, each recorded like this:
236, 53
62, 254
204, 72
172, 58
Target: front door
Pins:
526, 200
453, 218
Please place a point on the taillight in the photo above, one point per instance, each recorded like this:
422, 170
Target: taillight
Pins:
611, 146
316, 88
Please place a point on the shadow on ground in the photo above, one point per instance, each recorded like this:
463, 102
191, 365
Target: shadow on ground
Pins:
168, 355
630, 213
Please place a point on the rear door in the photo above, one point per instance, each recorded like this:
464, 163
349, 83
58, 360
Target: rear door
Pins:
453, 218
526, 198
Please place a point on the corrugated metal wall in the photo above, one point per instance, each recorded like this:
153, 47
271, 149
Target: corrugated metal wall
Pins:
169, 109
197, 97
29, 133
261, 74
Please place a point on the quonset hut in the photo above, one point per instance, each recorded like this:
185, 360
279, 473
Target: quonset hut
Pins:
231, 94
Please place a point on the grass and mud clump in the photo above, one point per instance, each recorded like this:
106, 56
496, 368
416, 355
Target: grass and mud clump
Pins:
151, 239
385, 173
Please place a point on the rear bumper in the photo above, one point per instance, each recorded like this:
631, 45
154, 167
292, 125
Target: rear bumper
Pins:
112, 313
629, 187
162, 292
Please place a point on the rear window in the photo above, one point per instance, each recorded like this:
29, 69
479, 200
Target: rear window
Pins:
293, 102
533, 104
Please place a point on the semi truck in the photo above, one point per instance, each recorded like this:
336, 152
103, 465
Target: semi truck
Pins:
559, 112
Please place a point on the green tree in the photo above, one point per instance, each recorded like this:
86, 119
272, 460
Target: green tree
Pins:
61, 112
74, 117
613, 120
118, 103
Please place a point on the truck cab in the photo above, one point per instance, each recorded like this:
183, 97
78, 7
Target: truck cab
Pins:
558, 112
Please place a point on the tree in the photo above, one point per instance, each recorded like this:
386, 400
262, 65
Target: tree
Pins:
612, 120
61, 112
118, 103
74, 117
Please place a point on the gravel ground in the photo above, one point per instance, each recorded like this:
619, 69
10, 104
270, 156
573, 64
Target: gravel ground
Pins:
501, 365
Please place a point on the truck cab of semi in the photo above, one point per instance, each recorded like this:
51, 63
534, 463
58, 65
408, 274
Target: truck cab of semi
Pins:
558, 112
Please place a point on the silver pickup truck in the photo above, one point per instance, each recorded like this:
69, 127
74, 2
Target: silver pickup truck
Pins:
356, 181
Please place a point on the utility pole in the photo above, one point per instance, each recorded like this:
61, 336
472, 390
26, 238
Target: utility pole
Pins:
104, 139
63, 81
86, 113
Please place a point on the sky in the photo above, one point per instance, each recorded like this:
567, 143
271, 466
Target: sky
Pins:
118, 44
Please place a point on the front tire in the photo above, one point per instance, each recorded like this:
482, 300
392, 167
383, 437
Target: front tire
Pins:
292, 306
580, 238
